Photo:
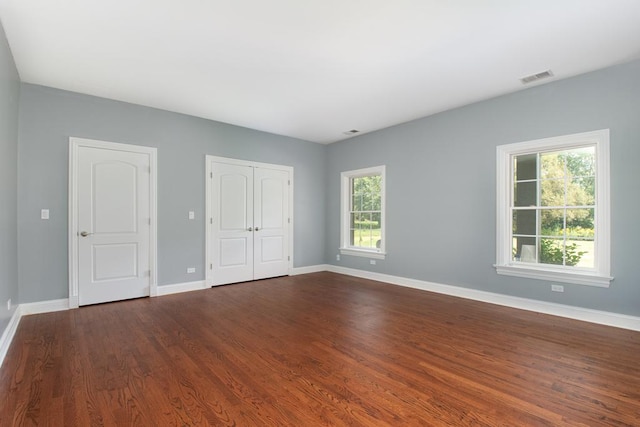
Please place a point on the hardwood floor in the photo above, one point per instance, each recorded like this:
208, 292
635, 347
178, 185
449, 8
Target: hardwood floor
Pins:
313, 350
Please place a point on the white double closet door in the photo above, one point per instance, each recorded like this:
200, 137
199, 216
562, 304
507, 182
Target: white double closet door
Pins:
249, 220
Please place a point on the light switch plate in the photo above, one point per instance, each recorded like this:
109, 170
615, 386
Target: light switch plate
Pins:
44, 214
192, 215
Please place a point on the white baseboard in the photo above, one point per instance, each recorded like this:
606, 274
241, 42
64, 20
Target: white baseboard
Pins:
9, 332
571, 312
44, 306
310, 269
181, 287
578, 313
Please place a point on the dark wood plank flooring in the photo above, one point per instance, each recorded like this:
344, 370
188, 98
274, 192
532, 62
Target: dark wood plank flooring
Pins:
314, 350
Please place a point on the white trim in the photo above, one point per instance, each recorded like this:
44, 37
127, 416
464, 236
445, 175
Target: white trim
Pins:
345, 202
9, 333
363, 253
178, 288
561, 310
600, 275
553, 276
310, 269
39, 307
209, 159
74, 145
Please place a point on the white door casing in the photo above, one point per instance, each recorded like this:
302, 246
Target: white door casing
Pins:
258, 242
112, 222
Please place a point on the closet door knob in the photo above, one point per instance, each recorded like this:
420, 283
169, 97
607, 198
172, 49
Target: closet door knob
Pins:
257, 229
250, 229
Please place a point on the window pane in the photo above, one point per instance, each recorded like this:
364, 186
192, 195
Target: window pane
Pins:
552, 192
525, 193
524, 222
584, 231
528, 243
355, 217
358, 231
366, 201
376, 202
580, 219
366, 231
552, 222
581, 162
551, 251
375, 218
581, 252
354, 221
356, 203
582, 192
552, 165
526, 167
376, 231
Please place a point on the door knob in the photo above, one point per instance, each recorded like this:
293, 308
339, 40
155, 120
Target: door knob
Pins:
84, 233
250, 229
257, 229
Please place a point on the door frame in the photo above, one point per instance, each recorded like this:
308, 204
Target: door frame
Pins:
74, 146
208, 214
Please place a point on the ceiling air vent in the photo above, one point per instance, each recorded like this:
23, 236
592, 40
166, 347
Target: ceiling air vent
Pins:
536, 77
351, 132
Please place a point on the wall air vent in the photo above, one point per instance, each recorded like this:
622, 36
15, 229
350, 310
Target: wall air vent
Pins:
351, 132
536, 77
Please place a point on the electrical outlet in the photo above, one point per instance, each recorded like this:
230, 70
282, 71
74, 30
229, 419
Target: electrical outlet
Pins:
191, 270
372, 261
9, 304
557, 288
338, 257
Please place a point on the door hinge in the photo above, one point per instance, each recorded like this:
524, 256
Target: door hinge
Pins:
210, 266
147, 273
211, 220
210, 174
288, 182
149, 221
289, 220
288, 258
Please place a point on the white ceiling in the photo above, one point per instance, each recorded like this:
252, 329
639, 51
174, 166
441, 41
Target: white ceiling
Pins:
312, 69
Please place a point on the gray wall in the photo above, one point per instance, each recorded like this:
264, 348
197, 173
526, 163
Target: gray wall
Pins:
441, 197
9, 98
440, 183
49, 116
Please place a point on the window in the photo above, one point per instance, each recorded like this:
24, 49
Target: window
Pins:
362, 207
553, 209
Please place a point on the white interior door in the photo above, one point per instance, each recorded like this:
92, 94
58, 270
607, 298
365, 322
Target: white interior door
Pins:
271, 237
248, 235
113, 224
232, 223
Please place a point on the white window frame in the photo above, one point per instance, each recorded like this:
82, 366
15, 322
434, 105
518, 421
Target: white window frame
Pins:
345, 245
597, 276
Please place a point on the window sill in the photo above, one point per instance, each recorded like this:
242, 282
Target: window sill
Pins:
363, 253
554, 275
